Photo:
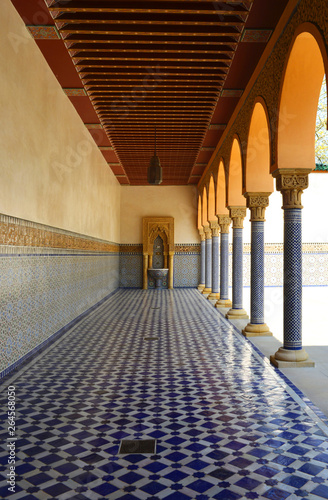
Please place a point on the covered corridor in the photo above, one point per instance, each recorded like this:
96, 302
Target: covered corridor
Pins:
170, 369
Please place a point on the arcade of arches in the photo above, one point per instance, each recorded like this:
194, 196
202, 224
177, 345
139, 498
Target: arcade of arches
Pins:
271, 138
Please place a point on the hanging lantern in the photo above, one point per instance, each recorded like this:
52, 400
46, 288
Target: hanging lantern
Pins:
154, 174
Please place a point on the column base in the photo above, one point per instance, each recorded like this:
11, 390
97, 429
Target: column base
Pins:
207, 290
286, 358
214, 296
200, 287
223, 303
237, 314
252, 330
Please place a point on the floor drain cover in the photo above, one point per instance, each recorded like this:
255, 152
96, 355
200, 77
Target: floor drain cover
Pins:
130, 446
150, 338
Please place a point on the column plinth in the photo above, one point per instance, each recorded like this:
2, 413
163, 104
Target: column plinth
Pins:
291, 183
201, 285
257, 203
237, 214
224, 223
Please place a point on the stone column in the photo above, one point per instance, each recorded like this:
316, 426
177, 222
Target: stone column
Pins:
145, 268
201, 285
257, 203
171, 260
208, 260
291, 183
215, 294
237, 214
224, 223
150, 260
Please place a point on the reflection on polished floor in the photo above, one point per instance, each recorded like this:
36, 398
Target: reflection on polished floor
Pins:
161, 365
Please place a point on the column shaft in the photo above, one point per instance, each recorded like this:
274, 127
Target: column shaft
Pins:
291, 183
224, 301
257, 203
208, 266
201, 285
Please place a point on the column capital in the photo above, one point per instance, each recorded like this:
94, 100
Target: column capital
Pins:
224, 223
257, 203
215, 228
291, 183
237, 215
208, 232
201, 234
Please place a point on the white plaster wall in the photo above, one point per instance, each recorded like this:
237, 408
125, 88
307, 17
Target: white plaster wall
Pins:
51, 171
179, 202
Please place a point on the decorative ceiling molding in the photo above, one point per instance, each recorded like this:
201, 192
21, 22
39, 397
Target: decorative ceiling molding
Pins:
217, 126
75, 92
232, 93
93, 126
44, 32
256, 36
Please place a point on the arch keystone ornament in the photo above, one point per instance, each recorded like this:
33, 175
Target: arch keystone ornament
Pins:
291, 183
257, 203
237, 214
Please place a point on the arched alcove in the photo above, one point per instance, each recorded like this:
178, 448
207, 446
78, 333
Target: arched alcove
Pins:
204, 207
235, 177
221, 191
211, 200
299, 97
257, 171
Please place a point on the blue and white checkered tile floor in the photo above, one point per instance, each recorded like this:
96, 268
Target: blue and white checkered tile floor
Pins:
226, 425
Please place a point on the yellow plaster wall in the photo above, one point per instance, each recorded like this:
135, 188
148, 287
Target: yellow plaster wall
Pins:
179, 202
51, 171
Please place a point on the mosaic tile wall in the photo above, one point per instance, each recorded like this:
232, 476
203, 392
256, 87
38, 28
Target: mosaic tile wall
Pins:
186, 266
40, 294
315, 264
48, 277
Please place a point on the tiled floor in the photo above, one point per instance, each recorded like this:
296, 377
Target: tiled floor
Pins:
226, 424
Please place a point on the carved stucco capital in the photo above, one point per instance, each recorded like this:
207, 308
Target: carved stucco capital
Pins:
215, 228
201, 234
257, 203
291, 183
237, 215
208, 232
224, 223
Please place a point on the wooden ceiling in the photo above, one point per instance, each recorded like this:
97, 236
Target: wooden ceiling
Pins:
179, 65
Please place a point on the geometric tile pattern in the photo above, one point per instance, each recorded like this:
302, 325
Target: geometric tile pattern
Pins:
257, 273
203, 262
215, 264
293, 278
226, 425
186, 270
237, 269
208, 265
40, 294
224, 266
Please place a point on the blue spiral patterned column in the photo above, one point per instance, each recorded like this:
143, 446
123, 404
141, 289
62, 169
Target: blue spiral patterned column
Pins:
257, 203
208, 260
201, 285
291, 183
224, 301
215, 294
237, 215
